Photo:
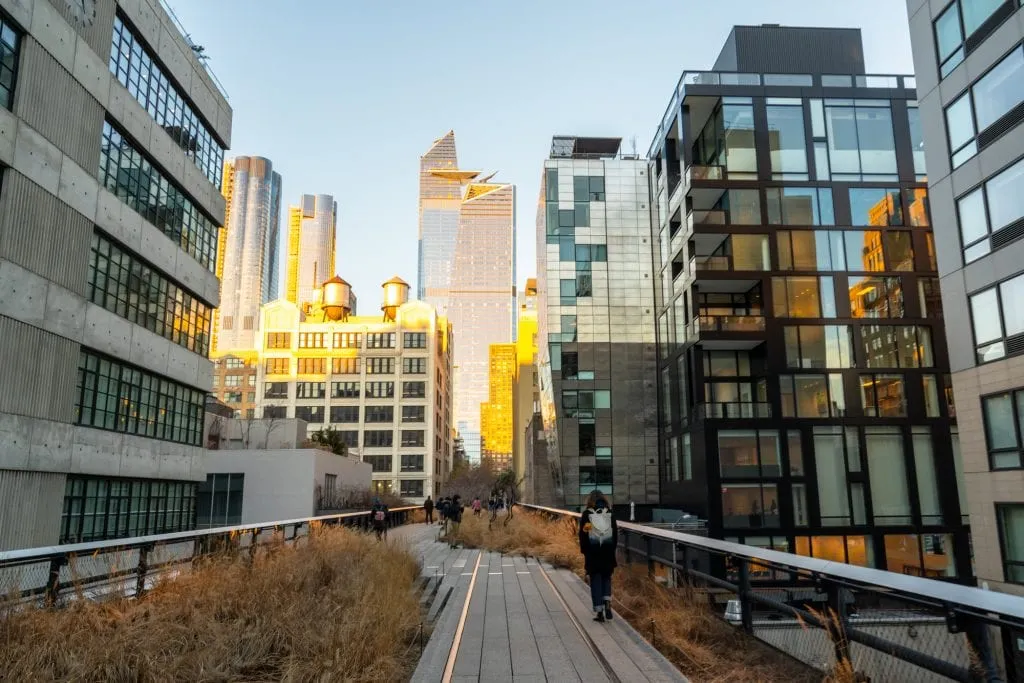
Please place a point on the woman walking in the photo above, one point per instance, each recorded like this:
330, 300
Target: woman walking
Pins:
599, 537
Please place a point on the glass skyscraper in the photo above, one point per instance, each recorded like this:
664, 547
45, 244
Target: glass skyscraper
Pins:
311, 244
249, 264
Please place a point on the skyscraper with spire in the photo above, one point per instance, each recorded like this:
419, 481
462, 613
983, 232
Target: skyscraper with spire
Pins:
467, 271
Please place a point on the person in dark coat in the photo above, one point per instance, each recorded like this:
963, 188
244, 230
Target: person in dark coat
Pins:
599, 537
428, 507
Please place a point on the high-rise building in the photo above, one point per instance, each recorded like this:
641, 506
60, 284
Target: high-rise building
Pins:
970, 83
383, 381
596, 333
804, 374
467, 271
250, 242
496, 415
526, 401
312, 227
109, 215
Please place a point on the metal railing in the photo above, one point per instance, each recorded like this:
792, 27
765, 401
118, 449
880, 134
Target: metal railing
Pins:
889, 626
128, 566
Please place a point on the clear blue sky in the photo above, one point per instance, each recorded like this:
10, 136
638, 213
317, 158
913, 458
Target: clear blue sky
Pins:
344, 95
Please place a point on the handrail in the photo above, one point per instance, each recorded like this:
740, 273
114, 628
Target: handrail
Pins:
966, 598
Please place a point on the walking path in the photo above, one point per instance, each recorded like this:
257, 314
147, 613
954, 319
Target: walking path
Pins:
503, 619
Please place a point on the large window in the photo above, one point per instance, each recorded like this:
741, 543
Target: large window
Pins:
992, 97
345, 389
311, 340
378, 463
786, 140
987, 210
413, 438
128, 286
311, 414
345, 366
997, 314
861, 145
587, 188
380, 340
414, 389
413, 414
414, 340
385, 414
863, 250
749, 454
727, 139
279, 340
897, 346
136, 68
840, 476
750, 505
97, 509
874, 206
800, 206
414, 366
883, 395
117, 397
819, 347
380, 390
345, 414
128, 174
1004, 415
380, 366
803, 297
812, 396
310, 389
412, 463
813, 250
876, 297
1011, 540
955, 28
10, 43
311, 366
348, 340
275, 390
887, 470
378, 438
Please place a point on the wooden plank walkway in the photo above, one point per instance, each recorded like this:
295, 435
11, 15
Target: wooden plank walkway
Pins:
521, 624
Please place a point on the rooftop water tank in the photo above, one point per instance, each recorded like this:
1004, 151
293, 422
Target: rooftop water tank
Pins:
396, 293
337, 295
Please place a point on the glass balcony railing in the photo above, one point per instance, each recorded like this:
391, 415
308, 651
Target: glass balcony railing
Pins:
712, 217
713, 263
697, 172
731, 323
731, 411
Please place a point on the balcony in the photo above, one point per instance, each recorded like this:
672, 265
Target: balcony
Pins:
695, 220
731, 323
698, 173
731, 411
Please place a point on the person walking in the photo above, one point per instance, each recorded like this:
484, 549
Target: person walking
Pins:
455, 518
476, 506
599, 537
428, 508
379, 518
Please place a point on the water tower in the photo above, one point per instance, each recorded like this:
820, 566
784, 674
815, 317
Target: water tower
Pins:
396, 293
337, 297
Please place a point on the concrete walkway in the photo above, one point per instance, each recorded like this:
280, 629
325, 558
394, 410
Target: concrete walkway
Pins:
523, 622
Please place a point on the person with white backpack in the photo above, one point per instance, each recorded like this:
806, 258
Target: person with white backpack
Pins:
599, 537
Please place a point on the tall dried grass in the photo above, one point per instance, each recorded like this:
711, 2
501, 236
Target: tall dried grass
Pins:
683, 625
340, 606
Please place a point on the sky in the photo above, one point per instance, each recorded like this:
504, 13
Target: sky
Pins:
343, 96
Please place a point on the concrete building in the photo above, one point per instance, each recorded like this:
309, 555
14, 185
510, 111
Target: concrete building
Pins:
496, 415
970, 84
596, 331
312, 235
385, 382
803, 366
112, 147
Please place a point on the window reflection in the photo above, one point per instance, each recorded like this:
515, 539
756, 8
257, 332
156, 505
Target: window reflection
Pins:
727, 139
815, 347
876, 206
860, 137
876, 297
930, 555
786, 140
800, 206
803, 297
812, 396
918, 208
883, 396
864, 250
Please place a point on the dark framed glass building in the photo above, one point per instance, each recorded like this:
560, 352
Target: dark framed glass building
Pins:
805, 400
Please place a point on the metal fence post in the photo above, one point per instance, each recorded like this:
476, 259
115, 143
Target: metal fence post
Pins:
686, 560
649, 547
252, 545
743, 593
626, 551
53, 581
141, 569
836, 626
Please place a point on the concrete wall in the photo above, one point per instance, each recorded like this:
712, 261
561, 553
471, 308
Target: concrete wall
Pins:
30, 508
240, 434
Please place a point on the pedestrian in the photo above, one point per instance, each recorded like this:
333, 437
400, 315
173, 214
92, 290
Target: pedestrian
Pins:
379, 518
428, 508
599, 537
455, 516
476, 506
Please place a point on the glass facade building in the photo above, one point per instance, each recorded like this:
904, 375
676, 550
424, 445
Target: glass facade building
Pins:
312, 235
969, 61
596, 335
803, 367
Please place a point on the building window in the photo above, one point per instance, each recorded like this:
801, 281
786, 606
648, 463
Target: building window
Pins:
750, 505
275, 412
128, 286
345, 366
380, 390
812, 396
125, 172
345, 414
412, 438
97, 509
379, 414
876, 297
749, 454
917, 142
800, 206
232, 363
803, 297
414, 340
1003, 415
311, 340
990, 209
310, 389
412, 463
380, 340
312, 366
993, 96
860, 145
413, 413
311, 414
380, 366
232, 397
117, 397
955, 29
876, 207
378, 463
883, 395
411, 488
414, 389
10, 44
378, 438
345, 389
997, 315
414, 366
596, 476
584, 285
136, 68
887, 472
348, 340
567, 292
897, 346
837, 456
219, 501
588, 188
1011, 540
279, 340
786, 139
819, 347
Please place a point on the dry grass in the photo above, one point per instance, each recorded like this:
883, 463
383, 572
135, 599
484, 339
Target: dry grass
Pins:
703, 646
339, 607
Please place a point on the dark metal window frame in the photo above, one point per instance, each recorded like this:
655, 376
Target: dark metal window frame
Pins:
7, 91
414, 340
414, 366
1005, 561
989, 232
1018, 428
984, 29
140, 510
352, 390
1002, 322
